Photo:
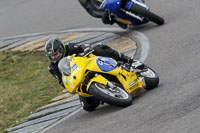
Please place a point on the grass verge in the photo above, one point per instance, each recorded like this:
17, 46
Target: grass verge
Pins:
25, 85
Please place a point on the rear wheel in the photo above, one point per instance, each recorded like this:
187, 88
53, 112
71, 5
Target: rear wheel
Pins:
147, 14
115, 96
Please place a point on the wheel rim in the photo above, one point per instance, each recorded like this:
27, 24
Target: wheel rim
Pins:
149, 73
116, 92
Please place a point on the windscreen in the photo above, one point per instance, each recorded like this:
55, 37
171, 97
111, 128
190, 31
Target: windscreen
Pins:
64, 66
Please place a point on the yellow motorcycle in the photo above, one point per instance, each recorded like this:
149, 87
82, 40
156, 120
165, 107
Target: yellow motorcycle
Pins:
106, 79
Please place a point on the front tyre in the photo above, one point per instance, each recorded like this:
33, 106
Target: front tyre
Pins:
150, 76
115, 96
147, 14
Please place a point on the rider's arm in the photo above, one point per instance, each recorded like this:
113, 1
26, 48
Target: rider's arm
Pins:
53, 69
105, 50
97, 13
78, 48
91, 9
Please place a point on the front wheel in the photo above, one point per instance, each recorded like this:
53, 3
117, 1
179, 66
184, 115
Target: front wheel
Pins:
115, 96
150, 76
147, 14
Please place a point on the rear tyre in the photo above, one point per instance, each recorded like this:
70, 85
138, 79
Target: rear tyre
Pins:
147, 14
115, 96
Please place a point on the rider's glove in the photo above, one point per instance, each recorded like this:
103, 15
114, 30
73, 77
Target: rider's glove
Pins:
125, 58
137, 64
107, 18
62, 84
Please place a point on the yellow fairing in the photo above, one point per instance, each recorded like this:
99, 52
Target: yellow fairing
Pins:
130, 82
73, 81
92, 66
78, 67
124, 21
99, 79
81, 66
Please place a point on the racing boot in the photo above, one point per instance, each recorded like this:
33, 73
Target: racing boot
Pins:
89, 103
123, 26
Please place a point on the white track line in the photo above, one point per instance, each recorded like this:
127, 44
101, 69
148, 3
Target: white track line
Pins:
65, 31
141, 38
144, 42
59, 121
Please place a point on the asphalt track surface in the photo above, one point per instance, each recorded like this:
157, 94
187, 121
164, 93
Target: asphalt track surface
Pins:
173, 107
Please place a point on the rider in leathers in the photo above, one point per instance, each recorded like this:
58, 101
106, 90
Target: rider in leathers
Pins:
55, 49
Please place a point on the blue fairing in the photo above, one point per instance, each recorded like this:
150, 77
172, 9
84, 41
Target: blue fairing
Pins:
106, 64
140, 1
114, 7
132, 19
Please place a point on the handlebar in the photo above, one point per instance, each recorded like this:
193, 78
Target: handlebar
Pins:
86, 54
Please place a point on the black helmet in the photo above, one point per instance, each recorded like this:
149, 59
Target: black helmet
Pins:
55, 49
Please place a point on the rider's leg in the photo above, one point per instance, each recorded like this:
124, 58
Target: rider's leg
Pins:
104, 50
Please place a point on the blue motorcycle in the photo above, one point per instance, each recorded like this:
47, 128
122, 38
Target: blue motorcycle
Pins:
129, 12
